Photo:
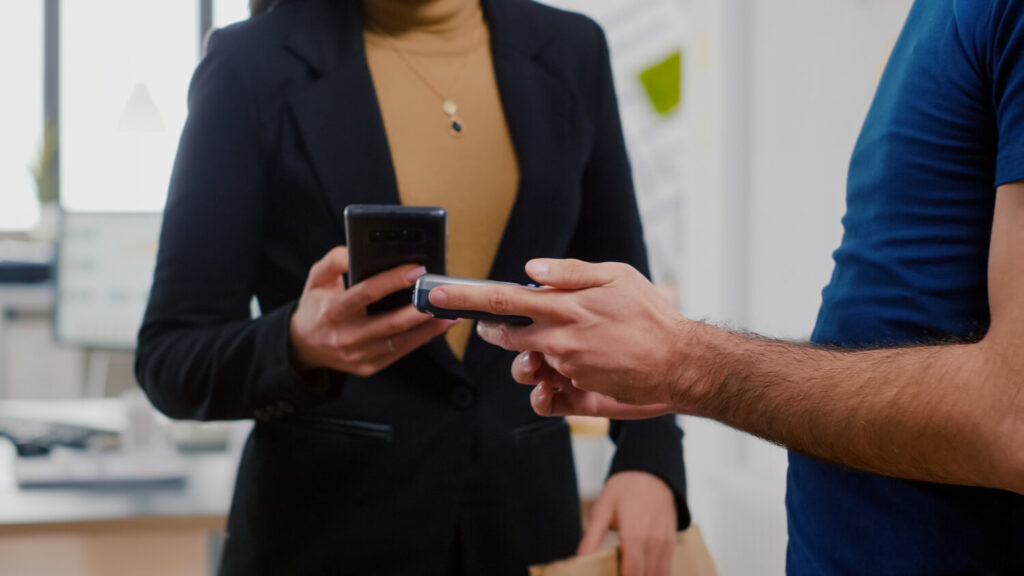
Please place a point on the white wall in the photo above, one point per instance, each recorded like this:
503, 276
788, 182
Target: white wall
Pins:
21, 116
814, 70
777, 91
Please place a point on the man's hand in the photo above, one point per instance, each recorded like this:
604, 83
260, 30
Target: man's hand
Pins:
602, 326
606, 339
555, 395
642, 509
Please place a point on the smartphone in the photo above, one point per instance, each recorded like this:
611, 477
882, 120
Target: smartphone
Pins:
428, 282
381, 237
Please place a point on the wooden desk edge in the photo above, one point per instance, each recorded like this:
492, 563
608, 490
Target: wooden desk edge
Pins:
186, 523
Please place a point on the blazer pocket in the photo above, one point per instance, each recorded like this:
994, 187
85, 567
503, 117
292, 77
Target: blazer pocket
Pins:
531, 430
330, 426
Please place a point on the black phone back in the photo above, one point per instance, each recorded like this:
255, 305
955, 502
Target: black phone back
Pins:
381, 237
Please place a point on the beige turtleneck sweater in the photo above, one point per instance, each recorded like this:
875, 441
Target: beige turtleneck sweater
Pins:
475, 175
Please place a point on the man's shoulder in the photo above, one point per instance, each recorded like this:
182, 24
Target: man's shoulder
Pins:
986, 26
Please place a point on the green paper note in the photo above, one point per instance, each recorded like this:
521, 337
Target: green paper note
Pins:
663, 83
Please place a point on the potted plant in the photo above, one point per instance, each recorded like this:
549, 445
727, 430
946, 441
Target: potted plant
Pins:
44, 171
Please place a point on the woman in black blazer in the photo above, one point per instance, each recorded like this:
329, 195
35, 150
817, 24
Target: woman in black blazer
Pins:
421, 463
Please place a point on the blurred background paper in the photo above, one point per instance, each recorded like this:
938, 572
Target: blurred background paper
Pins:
663, 83
691, 558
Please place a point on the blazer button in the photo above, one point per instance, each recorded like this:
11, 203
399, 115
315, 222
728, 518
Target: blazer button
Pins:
462, 397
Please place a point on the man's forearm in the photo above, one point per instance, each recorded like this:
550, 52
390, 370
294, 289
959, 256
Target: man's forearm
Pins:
950, 413
935, 413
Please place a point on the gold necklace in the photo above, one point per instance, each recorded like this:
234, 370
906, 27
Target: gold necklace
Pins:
456, 127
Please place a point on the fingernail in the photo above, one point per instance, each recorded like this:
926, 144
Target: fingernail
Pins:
415, 273
450, 323
524, 359
438, 297
537, 268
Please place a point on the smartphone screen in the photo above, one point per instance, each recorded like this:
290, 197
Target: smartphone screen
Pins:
381, 237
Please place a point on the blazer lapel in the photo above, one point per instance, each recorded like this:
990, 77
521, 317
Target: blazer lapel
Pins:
341, 123
548, 131
338, 114
546, 128
342, 127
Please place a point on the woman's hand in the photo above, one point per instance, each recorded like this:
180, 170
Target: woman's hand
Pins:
640, 506
643, 511
331, 329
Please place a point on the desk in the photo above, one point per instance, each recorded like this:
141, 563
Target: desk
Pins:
19, 299
152, 531
114, 531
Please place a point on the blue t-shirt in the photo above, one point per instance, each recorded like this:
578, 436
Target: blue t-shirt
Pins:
945, 129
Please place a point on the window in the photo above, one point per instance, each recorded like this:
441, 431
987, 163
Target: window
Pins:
21, 112
226, 12
125, 68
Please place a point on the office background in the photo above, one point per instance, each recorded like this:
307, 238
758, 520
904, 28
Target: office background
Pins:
741, 185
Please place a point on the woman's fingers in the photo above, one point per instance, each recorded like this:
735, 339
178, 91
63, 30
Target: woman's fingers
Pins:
391, 348
326, 271
413, 339
353, 302
394, 334
660, 554
633, 558
601, 518
391, 323
375, 355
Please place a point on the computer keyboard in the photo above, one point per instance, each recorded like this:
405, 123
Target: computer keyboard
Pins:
37, 438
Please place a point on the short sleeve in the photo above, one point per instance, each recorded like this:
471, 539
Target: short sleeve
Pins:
1006, 65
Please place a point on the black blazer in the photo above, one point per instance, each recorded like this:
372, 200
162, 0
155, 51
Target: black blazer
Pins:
379, 475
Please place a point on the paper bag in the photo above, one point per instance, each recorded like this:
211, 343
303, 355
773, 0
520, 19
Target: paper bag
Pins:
691, 558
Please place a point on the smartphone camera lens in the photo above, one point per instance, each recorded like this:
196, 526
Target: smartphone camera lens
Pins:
405, 236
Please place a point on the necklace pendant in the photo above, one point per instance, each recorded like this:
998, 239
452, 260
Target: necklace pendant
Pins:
449, 107
455, 126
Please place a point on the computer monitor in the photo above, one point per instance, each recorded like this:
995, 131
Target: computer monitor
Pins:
104, 271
